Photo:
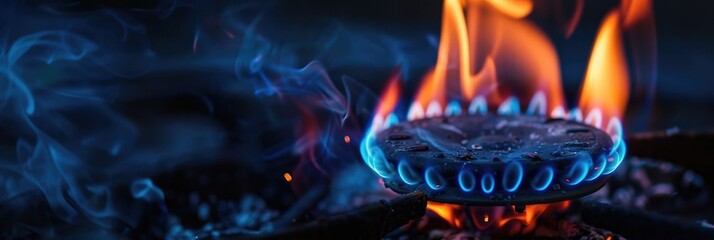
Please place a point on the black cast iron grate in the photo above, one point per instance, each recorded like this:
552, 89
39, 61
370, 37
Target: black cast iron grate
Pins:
494, 159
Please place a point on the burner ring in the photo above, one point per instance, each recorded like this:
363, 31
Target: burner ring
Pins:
493, 159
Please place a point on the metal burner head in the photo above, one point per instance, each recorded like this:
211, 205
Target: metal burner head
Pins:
493, 160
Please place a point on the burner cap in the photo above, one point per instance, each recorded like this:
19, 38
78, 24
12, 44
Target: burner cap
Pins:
493, 159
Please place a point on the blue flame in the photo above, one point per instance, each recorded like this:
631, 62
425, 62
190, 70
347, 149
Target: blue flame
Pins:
619, 149
538, 104
453, 108
467, 180
512, 176
597, 169
478, 106
576, 115
380, 164
368, 145
510, 106
615, 158
365, 147
407, 173
434, 179
391, 120
578, 170
373, 155
488, 183
543, 178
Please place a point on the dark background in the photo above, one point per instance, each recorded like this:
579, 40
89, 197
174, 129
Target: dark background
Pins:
685, 52
366, 40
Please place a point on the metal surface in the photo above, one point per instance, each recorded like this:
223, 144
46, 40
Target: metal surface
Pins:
495, 159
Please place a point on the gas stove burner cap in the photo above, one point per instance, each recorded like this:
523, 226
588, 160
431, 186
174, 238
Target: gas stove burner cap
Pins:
493, 160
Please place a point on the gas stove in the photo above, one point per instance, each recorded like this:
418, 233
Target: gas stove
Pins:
443, 119
513, 159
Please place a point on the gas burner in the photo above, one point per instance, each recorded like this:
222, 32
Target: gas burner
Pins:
494, 159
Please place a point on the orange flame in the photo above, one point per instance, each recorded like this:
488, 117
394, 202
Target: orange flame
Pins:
390, 97
531, 214
606, 86
487, 50
638, 22
502, 216
453, 44
387, 102
514, 8
495, 41
447, 212
635, 11
529, 61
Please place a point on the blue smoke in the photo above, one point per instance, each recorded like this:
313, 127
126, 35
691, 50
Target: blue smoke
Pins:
73, 137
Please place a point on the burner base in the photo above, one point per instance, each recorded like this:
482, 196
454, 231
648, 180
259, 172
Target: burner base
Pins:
493, 159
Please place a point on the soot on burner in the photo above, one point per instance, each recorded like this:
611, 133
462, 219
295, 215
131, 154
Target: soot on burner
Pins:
494, 160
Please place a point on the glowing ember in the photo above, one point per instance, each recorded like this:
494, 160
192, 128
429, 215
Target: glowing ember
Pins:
347, 139
288, 177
